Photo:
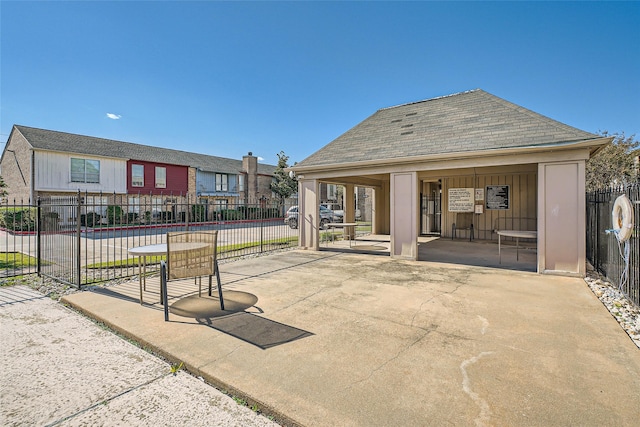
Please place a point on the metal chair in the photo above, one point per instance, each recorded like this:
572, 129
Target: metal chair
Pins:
463, 221
190, 254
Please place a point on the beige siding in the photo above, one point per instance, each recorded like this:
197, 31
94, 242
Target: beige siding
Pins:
522, 212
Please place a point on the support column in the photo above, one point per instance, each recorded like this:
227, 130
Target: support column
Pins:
404, 215
308, 214
349, 210
561, 218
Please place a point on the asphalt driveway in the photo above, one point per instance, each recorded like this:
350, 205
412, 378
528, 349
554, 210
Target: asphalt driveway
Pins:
328, 339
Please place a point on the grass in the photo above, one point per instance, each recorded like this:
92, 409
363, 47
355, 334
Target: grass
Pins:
14, 280
152, 260
16, 260
338, 233
129, 262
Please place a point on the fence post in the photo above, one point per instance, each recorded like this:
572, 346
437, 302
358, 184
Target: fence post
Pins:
78, 239
39, 238
187, 211
261, 219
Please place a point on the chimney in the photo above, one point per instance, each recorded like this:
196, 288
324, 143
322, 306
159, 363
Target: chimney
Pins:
250, 167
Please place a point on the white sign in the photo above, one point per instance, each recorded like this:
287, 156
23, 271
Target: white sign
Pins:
479, 194
461, 200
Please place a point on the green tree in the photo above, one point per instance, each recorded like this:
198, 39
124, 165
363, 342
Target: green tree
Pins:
3, 186
284, 185
616, 164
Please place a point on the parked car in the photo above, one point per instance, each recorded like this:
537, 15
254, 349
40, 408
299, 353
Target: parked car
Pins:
338, 213
291, 217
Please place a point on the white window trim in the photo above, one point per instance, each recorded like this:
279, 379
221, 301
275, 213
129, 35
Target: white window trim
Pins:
84, 173
162, 182
134, 182
222, 182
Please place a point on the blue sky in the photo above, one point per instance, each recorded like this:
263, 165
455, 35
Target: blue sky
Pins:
225, 78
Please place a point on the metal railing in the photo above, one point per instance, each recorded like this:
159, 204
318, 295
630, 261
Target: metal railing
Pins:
85, 238
18, 248
618, 262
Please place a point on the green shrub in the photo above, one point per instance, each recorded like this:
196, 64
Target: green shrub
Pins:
90, 219
114, 214
198, 213
18, 219
271, 213
258, 213
132, 218
230, 215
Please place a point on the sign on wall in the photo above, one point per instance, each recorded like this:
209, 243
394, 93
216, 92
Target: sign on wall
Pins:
497, 197
461, 199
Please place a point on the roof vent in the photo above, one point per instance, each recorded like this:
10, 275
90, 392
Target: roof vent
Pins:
407, 126
396, 120
411, 114
407, 133
250, 153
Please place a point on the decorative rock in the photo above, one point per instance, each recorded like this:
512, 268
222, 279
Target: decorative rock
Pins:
621, 308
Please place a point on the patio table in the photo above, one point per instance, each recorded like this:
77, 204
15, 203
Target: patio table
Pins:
344, 225
518, 234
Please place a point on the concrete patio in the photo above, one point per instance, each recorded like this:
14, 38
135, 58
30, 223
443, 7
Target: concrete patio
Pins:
340, 338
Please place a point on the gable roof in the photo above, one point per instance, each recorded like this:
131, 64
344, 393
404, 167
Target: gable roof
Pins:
42, 139
470, 121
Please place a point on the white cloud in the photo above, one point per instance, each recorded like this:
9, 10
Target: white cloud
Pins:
113, 116
260, 159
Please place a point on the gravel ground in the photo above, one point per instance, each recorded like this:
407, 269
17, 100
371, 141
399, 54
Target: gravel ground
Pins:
621, 308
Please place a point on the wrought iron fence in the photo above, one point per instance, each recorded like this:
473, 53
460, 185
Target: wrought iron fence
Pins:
85, 238
18, 249
619, 262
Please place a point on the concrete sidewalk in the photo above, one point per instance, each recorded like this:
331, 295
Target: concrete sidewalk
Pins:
59, 368
328, 338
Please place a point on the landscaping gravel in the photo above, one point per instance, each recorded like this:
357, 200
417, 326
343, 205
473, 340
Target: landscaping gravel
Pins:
621, 308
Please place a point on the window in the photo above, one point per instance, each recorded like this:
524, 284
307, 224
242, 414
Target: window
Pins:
240, 183
220, 204
161, 177
137, 175
222, 182
83, 170
332, 192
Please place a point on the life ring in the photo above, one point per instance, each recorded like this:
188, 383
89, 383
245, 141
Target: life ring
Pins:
622, 218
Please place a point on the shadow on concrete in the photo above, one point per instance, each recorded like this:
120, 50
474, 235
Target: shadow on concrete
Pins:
234, 320
255, 330
480, 253
119, 294
197, 307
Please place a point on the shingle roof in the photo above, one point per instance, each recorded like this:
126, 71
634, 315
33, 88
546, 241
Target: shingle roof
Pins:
463, 122
43, 139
